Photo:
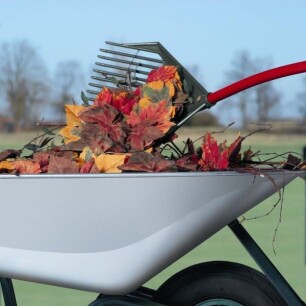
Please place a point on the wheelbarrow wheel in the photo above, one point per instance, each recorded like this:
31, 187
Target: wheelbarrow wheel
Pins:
218, 283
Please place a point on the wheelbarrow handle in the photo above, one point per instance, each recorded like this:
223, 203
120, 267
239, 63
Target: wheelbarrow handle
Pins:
256, 79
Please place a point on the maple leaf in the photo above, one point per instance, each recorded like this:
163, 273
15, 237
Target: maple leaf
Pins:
59, 164
104, 96
234, 156
42, 158
164, 73
159, 114
89, 167
148, 124
109, 163
146, 162
96, 137
123, 101
213, 156
25, 166
143, 134
71, 132
109, 121
187, 163
157, 91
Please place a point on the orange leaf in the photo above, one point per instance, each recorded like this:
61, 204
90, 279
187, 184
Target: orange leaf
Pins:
104, 96
109, 163
25, 166
164, 73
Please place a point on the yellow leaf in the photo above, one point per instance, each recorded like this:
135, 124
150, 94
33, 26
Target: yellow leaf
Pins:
87, 154
72, 130
72, 112
109, 163
144, 102
156, 85
171, 88
7, 165
70, 133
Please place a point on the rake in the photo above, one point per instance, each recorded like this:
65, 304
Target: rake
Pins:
129, 69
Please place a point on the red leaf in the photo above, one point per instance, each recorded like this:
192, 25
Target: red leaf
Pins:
214, 157
89, 167
121, 100
164, 73
104, 96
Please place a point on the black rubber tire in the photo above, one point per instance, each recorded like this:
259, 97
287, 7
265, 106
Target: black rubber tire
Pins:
228, 281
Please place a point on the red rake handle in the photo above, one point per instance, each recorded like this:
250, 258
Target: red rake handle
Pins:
256, 79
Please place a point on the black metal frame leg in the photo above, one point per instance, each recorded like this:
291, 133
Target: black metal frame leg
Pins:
277, 280
8, 292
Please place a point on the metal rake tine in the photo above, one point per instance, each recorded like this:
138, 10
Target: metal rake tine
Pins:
106, 73
145, 58
119, 60
122, 68
118, 82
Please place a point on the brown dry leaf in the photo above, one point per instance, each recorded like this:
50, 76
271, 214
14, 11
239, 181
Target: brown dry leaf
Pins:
9, 154
62, 165
109, 163
146, 162
42, 158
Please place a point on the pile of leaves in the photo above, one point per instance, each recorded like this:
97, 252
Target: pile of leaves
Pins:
124, 131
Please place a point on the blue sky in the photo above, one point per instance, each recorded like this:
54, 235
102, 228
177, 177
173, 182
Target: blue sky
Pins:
208, 33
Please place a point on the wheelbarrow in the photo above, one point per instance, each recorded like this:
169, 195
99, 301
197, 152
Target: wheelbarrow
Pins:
114, 242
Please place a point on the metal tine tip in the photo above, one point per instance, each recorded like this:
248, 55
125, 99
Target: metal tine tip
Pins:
122, 68
119, 60
107, 73
93, 92
145, 58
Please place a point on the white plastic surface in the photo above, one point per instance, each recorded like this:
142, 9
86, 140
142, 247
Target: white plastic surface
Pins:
112, 233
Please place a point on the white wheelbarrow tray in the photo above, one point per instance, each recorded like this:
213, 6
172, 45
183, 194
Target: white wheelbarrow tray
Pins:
112, 233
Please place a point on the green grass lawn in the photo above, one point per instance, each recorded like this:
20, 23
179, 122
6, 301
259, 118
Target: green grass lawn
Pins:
289, 244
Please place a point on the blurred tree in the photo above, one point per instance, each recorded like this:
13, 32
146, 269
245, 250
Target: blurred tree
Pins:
301, 101
242, 66
203, 118
265, 96
23, 82
67, 82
